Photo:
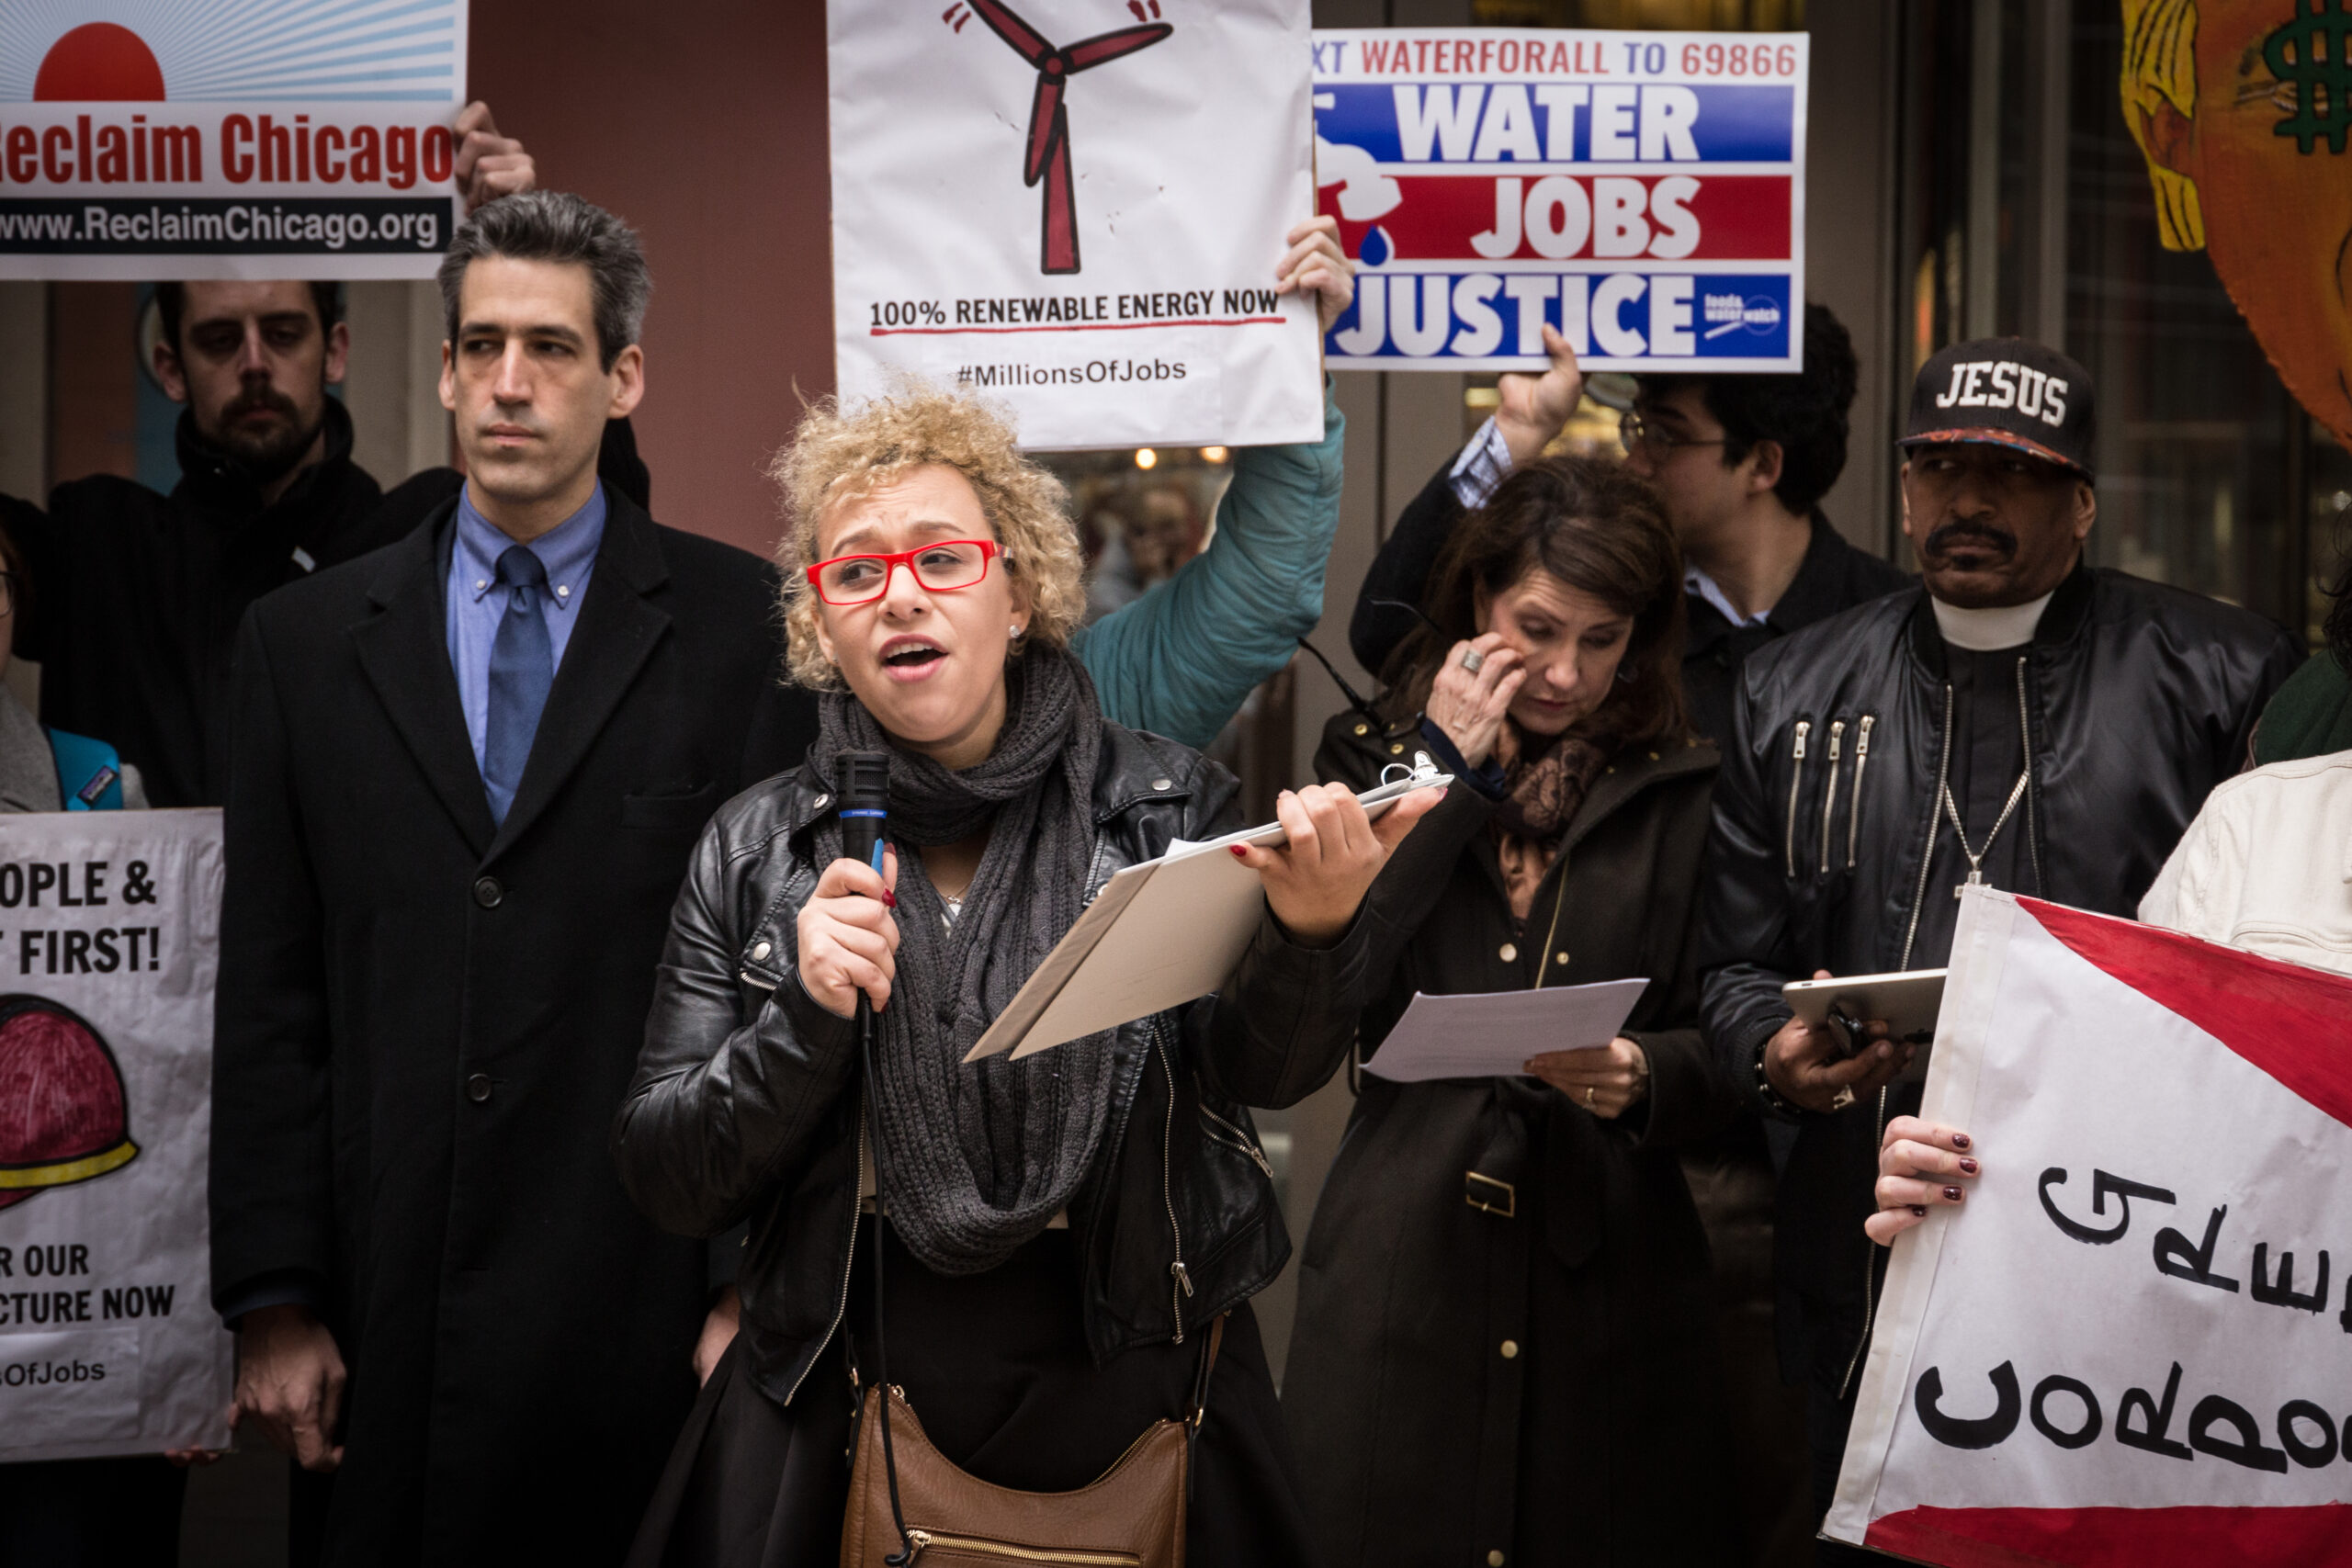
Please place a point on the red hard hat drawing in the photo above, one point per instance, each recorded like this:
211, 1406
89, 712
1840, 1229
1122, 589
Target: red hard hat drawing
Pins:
62, 1118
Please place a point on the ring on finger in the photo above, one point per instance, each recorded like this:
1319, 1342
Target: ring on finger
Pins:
1845, 1098
1472, 659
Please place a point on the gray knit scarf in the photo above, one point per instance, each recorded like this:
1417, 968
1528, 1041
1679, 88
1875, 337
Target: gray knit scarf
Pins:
975, 1160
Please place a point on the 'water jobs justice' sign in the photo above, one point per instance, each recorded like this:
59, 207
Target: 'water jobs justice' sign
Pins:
190, 139
1642, 193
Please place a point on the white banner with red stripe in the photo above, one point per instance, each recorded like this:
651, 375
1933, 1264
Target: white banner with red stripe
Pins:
109, 947
2133, 1343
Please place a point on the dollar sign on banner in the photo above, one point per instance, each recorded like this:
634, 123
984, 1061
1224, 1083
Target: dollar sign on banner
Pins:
2313, 51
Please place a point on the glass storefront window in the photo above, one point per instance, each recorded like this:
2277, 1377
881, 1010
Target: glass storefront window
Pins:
2025, 207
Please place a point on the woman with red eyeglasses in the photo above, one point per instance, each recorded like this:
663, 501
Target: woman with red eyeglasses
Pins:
1066, 1233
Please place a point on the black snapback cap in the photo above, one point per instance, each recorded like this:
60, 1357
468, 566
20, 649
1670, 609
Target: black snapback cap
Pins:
2005, 391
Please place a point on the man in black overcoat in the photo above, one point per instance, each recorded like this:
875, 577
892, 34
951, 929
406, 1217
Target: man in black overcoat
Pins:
468, 770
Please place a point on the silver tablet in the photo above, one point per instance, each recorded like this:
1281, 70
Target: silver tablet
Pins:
1906, 1002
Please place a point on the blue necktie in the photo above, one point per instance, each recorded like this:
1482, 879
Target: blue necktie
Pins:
522, 668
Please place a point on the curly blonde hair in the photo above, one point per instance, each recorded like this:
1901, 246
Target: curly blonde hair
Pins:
839, 454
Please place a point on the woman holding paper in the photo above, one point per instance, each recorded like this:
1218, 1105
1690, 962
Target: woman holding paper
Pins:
1504, 1351
1068, 1232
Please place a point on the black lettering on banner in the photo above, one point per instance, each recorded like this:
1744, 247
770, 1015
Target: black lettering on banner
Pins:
2176, 1257
2281, 1290
2311, 1456
1964, 1432
136, 887
2101, 1185
2155, 1420
2081, 1437
2247, 1449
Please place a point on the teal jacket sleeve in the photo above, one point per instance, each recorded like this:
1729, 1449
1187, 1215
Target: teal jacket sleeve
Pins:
1180, 661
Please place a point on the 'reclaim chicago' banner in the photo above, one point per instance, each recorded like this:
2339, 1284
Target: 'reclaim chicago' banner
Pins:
186, 139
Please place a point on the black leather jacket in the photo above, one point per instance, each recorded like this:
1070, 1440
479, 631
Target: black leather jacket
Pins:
2137, 699
744, 1104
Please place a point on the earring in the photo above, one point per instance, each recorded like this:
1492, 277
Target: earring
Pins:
1016, 632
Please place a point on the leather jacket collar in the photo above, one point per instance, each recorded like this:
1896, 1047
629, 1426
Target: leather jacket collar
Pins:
745, 1102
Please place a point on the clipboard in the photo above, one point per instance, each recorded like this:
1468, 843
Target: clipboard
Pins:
1159, 934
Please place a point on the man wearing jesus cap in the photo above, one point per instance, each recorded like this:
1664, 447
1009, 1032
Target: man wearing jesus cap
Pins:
2020, 718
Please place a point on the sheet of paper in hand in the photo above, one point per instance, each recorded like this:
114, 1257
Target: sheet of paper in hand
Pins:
2126, 1347
1492, 1034
1077, 208
109, 943
193, 139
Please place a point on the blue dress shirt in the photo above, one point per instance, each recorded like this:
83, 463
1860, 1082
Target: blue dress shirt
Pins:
477, 601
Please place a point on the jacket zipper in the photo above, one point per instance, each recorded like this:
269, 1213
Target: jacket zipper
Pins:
1796, 783
977, 1546
841, 1308
1862, 761
1878, 1122
1182, 1281
2025, 750
1829, 791
1928, 853
1233, 1137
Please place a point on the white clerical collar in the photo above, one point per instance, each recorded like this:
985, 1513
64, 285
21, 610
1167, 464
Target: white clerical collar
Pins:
1988, 631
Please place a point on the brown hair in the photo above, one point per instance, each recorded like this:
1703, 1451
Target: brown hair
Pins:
1595, 528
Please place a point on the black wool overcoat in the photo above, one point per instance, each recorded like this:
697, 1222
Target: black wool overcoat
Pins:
426, 1025
1505, 1339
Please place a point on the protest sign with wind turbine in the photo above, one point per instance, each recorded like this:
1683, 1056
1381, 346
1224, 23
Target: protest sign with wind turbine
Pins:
1168, 151
1048, 141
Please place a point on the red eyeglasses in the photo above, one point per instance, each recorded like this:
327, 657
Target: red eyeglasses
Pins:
940, 567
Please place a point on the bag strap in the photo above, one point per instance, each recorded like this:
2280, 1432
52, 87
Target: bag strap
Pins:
1200, 1410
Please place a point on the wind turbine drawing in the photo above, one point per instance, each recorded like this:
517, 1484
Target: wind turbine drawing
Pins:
1047, 153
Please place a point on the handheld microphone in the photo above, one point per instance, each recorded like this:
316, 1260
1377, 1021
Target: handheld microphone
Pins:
865, 783
866, 805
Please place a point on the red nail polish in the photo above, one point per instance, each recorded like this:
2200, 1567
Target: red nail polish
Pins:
1954, 1194
889, 900
1968, 1167
1960, 1140
1920, 1210
1241, 854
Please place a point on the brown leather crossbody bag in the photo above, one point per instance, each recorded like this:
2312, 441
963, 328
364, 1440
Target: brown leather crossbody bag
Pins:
910, 1508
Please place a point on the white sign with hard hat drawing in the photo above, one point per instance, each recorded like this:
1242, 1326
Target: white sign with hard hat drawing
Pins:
109, 947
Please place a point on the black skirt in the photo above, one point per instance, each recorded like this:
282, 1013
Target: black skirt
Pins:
996, 1368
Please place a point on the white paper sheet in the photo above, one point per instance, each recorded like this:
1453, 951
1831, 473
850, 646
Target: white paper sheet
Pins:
1492, 1034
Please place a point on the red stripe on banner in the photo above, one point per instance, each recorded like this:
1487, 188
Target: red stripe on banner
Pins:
2294, 1023
2115, 1538
1740, 218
